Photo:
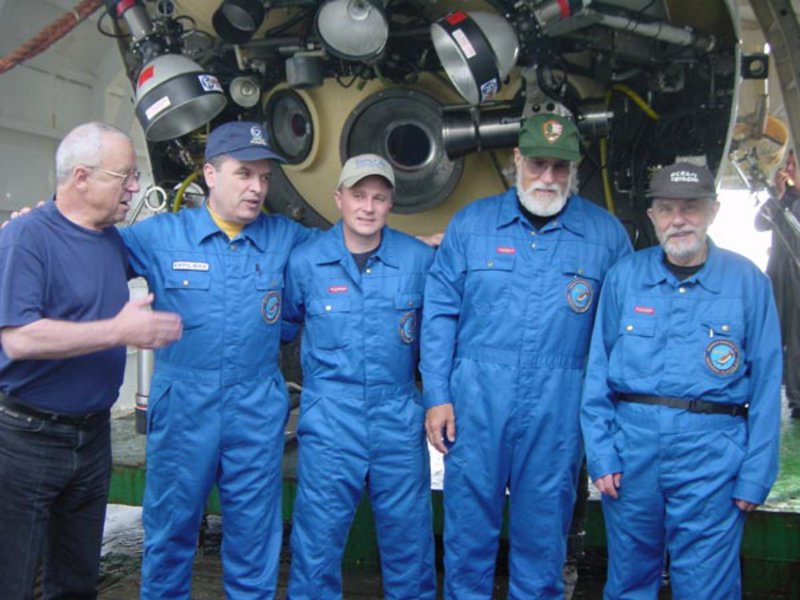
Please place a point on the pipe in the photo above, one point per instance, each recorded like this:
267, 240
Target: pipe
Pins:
176, 203
637, 99
659, 31
145, 362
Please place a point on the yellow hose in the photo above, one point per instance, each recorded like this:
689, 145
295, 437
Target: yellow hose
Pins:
647, 109
176, 203
637, 99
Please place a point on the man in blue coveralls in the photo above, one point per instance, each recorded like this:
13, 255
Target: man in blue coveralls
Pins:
358, 288
681, 407
509, 306
218, 402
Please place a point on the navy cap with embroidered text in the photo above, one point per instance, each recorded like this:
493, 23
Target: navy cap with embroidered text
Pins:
242, 140
682, 181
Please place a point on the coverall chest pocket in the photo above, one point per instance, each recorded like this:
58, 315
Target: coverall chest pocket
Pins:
406, 308
488, 282
636, 354
187, 293
577, 300
720, 348
327, 321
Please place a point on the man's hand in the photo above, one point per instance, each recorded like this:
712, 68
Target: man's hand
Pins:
609, 484
22, 211
139, 326
787, 176
745, 506
440, 421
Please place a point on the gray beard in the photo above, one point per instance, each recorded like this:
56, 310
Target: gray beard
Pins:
537, 206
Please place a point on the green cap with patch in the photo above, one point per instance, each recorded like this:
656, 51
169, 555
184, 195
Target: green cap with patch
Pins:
548, 135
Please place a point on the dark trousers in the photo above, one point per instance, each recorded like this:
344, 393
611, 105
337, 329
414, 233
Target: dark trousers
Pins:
54, 480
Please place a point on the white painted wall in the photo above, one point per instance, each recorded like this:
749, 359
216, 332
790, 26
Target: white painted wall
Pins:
79, 78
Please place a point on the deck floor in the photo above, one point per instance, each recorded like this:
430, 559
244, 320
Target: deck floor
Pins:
120, 580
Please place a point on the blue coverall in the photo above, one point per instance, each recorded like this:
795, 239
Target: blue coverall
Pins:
218, 403
361, 415
508, 313
711, 337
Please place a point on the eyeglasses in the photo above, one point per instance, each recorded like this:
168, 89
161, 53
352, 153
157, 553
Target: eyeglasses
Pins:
537, 167
127, 178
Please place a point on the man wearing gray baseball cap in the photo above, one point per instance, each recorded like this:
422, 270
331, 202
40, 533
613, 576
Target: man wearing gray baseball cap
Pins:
218, 401
358, 290
681, 405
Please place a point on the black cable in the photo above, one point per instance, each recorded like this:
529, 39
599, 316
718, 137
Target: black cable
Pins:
641, 11
105, 32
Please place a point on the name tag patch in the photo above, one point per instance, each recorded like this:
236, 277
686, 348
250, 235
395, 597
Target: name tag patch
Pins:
337, 289
644, 310
188, 265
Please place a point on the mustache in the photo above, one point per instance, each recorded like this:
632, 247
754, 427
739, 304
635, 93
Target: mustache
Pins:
674, 230
542, 187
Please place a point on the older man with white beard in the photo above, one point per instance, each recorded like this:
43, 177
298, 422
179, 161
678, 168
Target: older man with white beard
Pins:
509, 306
681, 407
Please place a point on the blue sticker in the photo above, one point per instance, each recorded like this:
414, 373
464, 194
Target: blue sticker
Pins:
579, 295
271, 307
722, 357
408, 327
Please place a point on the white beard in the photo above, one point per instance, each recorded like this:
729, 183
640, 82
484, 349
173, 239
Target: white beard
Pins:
542, 205
680, 250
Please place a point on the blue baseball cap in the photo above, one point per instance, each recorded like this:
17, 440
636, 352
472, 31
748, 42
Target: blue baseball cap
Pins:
242, 140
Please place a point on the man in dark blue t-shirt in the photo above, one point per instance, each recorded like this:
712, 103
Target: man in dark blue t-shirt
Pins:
65, 320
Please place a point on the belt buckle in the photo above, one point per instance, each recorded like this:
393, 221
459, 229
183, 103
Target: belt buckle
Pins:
698, 406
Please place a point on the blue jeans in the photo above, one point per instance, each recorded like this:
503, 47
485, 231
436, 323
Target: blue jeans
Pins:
54, 482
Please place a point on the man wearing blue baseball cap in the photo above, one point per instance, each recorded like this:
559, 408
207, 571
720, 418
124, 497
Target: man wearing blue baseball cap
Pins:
509, 305
218, 402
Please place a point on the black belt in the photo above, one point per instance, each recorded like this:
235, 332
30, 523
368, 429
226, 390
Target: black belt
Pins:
695, 406
15, 408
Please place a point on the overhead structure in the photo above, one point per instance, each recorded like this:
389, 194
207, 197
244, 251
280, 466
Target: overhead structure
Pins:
439, 94
236, 21
780, 27
174, 95
353, 29
477, 51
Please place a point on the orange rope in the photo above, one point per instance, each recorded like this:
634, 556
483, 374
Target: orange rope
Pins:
50, 34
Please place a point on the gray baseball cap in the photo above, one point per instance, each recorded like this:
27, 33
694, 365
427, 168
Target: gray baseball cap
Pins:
364, 165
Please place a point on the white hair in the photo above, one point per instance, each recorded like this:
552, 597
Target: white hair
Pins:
83, 145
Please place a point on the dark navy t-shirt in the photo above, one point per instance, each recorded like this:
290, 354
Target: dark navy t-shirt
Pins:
51, 268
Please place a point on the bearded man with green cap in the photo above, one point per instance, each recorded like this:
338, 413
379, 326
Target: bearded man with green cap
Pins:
508, 311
